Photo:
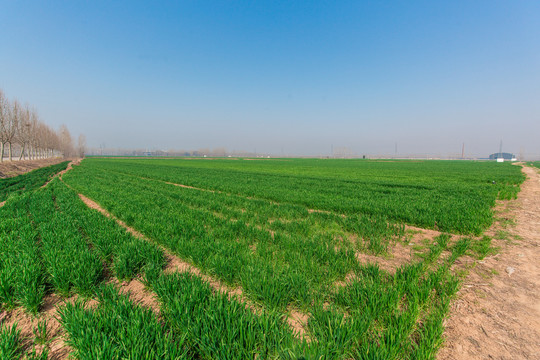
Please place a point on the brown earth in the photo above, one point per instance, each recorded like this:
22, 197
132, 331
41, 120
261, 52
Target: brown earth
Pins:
399, 254
26, 323
497, 311
10, 169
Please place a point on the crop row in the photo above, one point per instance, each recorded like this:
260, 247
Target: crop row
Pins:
50, 242
377, 315
449, 196
279, 263
29, 181
371, 232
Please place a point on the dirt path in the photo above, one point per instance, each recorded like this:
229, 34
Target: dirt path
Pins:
497, 313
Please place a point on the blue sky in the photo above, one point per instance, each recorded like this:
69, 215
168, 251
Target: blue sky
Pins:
297, 76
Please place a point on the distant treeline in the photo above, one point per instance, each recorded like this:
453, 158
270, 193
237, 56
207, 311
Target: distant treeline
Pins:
24, 134
216, 152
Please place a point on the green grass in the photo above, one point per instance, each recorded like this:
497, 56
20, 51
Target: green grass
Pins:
30, 181
502, 235
453, 196
483, 247
117, 329
258, 233
11, 346
41, 335
10, 342
216, 327
51, 242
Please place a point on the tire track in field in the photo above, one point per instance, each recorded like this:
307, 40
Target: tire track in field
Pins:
296, 319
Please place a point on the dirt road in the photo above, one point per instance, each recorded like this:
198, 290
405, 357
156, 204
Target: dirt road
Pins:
497, 313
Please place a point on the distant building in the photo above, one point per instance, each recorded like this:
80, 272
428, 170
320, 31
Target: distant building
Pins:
504, 156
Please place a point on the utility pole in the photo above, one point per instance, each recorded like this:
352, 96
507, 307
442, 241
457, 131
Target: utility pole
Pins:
463, 152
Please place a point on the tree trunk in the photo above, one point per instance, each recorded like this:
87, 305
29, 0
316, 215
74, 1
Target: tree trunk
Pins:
22, 152
10, 153
1, 152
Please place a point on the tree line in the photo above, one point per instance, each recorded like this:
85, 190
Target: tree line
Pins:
23, 132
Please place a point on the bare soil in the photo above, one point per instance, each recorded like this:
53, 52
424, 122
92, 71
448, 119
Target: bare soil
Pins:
497, 311
400, 254
26, 323
10, 169
139, 294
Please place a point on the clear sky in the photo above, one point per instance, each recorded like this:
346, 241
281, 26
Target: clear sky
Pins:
291, 76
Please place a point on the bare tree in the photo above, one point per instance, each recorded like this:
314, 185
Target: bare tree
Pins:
4, 114
33, 134
23, 130
12, 124
38, 140
51, 142
21, 126
66, 142
81, 146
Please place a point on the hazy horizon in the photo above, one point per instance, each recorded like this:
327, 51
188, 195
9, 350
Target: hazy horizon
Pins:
281, 78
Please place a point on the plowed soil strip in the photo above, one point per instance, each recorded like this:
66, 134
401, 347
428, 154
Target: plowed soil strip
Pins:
175, 264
